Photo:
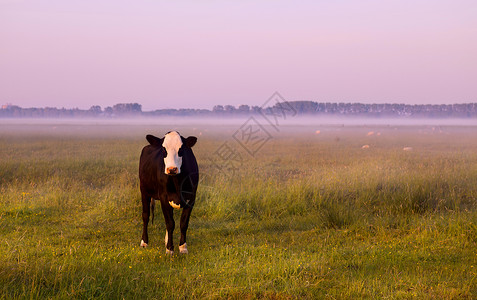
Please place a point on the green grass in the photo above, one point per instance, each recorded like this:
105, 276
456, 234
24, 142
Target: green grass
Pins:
335, 221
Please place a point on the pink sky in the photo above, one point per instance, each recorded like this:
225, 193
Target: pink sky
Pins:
175, 54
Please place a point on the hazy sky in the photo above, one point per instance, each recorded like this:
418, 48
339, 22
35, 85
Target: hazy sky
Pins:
174, 54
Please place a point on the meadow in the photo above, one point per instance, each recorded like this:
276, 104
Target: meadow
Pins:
310, 215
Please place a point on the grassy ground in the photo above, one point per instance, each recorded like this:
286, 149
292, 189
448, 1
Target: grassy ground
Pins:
309, 216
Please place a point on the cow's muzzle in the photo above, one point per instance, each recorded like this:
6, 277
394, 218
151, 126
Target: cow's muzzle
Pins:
172, 171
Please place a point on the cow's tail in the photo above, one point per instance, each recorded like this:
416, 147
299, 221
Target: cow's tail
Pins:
153, 204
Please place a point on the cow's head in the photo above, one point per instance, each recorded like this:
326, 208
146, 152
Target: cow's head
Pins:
173, 145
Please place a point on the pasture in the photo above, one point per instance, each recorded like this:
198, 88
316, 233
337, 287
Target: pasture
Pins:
312, 214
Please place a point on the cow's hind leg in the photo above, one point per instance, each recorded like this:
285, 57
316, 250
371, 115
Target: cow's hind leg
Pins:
168, 212
186, 211
146, 210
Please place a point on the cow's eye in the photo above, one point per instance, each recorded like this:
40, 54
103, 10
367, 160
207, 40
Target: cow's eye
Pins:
181, 152
164, 151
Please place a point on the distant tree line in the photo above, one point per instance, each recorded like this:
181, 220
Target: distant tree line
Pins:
465, 110
118, 110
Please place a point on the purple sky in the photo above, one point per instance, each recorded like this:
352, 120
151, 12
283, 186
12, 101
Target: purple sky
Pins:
174, 54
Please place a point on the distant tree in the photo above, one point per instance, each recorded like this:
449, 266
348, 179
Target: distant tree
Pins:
218, 108
256, 109
229, 108
108, 110
95, 109
244, 108
127, 108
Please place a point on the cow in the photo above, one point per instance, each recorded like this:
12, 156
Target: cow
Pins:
168, 172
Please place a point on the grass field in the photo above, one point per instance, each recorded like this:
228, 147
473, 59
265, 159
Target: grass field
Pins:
309, 216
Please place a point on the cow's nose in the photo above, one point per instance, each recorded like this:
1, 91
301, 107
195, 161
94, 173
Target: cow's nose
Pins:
172, 170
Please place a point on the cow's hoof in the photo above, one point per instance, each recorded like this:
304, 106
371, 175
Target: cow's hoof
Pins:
169, 252
171, 203
144, 245
183, 249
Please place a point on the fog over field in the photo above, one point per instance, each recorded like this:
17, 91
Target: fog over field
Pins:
192, 125
238, 120
253, 132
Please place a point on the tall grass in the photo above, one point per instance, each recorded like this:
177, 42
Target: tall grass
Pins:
310, 216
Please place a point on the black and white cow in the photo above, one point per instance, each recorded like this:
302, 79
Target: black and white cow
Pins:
168, 172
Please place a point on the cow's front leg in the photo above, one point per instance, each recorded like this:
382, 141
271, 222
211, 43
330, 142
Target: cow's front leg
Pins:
184, 225
168, 212
146, 210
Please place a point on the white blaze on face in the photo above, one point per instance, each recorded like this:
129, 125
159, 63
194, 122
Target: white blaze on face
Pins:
172, 143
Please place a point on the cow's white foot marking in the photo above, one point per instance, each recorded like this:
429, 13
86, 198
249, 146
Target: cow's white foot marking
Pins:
171, 203
144, 245
183, 249
168, 252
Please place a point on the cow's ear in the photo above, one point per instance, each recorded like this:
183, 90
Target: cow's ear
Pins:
190, 141
155, 141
